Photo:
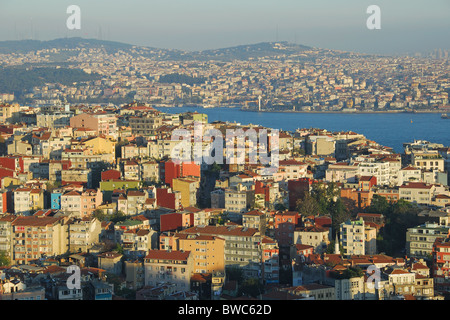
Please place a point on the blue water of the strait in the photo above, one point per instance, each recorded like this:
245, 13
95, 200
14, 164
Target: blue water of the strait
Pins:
391, 130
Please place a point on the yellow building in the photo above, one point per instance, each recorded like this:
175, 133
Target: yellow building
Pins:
9, 112
37, 199
10, 182
208, 252
100, 145
188, 188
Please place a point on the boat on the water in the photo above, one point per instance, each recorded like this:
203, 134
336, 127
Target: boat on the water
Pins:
445, 116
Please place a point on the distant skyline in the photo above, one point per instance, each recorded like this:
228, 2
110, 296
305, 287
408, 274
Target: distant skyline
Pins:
406, 26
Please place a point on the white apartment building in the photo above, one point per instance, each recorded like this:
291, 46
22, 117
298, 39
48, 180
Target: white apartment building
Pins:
381, 170
352, 237
84, 234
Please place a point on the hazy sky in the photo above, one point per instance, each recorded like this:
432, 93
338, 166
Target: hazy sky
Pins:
406, 25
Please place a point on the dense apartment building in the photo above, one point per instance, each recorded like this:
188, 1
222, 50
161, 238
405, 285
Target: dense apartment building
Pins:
145, 125
270, 260
401, 281
103, 123
441, 263
370, 239
239, 199
9, 113
208, 252
175, 267
341, 172
6, 235
352, 237
420, 239
81, 204
242, 246
349, 288
28, 200
111, 262
132, 202
131, 150
84, 233
138, 242
380, 170
134, 274
54, 120
36, 236
428, 160
255, 219
150, 171
417, 192
188, 188
284, 224
315, 236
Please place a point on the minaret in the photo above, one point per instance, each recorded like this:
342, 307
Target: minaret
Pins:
336, 245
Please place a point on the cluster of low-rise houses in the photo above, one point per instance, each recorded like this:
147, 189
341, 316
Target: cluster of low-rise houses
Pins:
100, 190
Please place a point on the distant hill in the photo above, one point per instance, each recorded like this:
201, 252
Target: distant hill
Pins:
242, 52
20, 79
24, 46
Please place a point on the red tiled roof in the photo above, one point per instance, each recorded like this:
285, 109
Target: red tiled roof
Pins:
167, 255
299, 246
34, 221
222, 230
254, 213
415, 185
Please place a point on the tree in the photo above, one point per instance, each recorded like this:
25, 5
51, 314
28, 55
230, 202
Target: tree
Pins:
118, 216
235, 274
352, 272
4, 259
330, 247
118, 248
308, 206
399, 216
99, 214
324, 199
53, 185
251, 287
378, 204
339, 214
280, 207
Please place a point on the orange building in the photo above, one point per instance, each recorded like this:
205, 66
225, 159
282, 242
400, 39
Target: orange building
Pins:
391, 195
362, 199
208, 252
284, 223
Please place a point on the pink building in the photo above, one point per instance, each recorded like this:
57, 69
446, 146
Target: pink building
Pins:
83, 203
103, 123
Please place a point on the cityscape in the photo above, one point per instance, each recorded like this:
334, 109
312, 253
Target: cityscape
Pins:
121, 181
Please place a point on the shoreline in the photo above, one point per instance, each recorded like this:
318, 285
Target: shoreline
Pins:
316, 112
347, 112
